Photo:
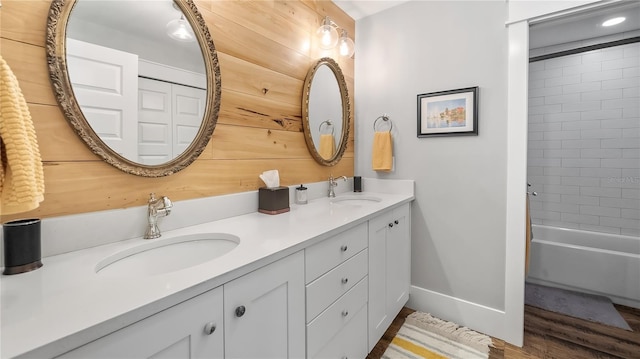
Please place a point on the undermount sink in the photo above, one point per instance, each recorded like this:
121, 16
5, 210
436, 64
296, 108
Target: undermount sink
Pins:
160, 256
356, 200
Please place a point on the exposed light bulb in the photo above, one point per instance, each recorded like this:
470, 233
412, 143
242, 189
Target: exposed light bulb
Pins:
326, 38
328, 34
179, 29
614, 21
346, 46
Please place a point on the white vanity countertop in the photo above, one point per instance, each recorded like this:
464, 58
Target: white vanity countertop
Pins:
66, 299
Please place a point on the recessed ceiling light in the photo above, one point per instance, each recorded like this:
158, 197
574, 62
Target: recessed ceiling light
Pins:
614, 21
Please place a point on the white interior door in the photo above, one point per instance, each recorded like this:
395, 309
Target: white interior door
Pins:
105, 84
155, 134
188, 111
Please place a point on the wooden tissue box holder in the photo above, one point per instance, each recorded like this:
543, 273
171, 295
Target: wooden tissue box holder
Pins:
273, 200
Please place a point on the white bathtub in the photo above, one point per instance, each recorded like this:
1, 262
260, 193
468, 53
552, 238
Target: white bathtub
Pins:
600, 263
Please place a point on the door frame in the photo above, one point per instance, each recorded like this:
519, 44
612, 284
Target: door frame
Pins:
517, 139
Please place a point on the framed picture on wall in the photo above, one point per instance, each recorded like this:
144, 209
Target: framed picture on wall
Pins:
448, 113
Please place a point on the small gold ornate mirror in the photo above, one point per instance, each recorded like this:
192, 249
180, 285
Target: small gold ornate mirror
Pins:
326, 112
138, 81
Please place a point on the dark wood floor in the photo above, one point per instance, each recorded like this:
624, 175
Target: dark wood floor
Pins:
554, 336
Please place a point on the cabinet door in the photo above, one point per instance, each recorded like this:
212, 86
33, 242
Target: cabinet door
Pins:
264, 312
389, 269
398, 260
379, 320
182, 331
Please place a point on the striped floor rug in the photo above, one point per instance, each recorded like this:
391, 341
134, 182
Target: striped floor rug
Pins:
425, 336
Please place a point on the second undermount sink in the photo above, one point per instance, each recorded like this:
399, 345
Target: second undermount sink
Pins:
160, 256
356, 199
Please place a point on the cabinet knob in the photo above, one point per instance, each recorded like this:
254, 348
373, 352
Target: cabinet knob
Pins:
344, 248
345, 280
390, 225
240, 311
396, 221
345, 313
209, 328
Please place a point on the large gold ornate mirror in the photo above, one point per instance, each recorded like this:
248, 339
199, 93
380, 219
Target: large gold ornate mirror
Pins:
138, 81
326, 112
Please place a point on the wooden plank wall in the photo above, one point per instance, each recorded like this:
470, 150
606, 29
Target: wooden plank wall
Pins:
260, 43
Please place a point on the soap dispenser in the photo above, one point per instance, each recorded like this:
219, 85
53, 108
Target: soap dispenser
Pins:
301, 195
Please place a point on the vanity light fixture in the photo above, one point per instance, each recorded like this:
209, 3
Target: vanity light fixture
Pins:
180, 30
614, 21
328, 36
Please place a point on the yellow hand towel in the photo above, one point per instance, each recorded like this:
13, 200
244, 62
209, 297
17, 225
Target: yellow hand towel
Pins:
21, 174
327, 146
382, 154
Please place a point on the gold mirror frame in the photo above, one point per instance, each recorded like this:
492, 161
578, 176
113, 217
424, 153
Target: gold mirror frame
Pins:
59, 13
346, 112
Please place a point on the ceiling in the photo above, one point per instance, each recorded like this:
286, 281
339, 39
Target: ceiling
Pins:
585, 25
141, 18
566, 29
134, 26
358, 9
575, 27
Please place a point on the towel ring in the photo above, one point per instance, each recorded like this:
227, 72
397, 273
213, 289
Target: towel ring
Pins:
329, 125
384, 119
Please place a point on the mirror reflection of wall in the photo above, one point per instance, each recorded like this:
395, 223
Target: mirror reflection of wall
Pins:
325, 112
142, 92
137, 27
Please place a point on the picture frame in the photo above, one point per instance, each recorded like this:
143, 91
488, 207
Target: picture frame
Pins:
448, 113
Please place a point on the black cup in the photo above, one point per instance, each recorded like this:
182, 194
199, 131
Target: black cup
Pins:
357, 184
21, 246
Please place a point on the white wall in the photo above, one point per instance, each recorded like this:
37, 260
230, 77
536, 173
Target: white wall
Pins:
584, 140
459, 217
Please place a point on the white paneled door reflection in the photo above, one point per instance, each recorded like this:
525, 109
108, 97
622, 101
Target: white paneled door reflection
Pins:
154, 122
169, 117
104, 84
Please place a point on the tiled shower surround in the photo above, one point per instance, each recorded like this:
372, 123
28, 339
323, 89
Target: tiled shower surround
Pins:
584, 140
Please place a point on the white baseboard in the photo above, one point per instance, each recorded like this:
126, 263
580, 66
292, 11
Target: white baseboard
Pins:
480, 318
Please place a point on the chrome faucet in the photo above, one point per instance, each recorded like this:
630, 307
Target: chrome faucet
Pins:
158, 207
333, 184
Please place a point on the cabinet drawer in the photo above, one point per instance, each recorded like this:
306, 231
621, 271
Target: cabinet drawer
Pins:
330, 286
323, 256
350, 342
322, 329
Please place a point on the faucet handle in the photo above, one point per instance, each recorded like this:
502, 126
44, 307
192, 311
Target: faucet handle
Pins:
167, 204
152, 197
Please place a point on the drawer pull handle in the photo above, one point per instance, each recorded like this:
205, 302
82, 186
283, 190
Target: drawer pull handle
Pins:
396, 221
209, 328
345, 280
390, 225
345, 313
240, 311
344, 248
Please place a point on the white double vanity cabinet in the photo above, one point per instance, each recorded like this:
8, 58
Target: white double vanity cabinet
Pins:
331, 295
